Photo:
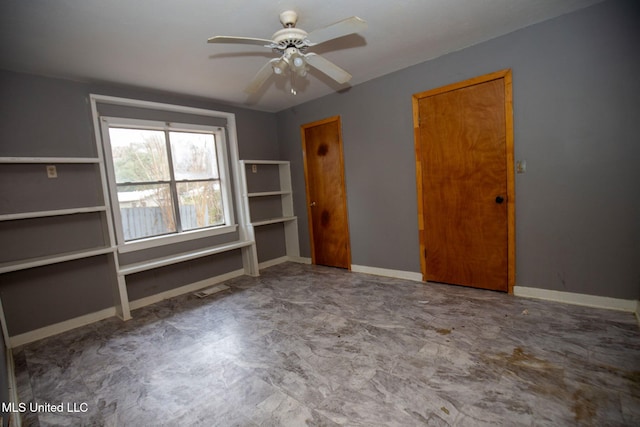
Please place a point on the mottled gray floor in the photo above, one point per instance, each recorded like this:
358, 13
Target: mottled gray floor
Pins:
304, 345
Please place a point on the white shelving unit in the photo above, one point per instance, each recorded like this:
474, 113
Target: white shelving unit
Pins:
288, 219
61, 257
122, 306
35, 207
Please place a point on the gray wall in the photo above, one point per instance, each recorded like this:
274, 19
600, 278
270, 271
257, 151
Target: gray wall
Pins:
49, 117
576, 109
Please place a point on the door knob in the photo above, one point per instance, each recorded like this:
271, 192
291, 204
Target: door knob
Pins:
312, 204
499, 199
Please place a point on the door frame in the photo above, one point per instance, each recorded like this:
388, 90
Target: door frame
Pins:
508, 95
342, 181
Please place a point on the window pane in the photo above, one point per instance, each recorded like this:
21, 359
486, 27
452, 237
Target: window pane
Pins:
146, 210
200, 204
194, 155
139, 155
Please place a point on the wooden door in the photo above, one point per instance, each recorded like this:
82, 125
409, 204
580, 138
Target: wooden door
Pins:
326, 195
464, 153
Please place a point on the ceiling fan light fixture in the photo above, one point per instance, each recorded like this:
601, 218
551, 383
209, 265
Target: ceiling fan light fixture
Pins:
291, 44
280, 67
298, 62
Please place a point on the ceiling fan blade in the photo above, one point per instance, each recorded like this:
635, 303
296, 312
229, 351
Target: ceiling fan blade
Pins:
328, 67
339, 29
260, 77
240, 40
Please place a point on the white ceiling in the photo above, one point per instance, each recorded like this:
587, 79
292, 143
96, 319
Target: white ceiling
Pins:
162, 44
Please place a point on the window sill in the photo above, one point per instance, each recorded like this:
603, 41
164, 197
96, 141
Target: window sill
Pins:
154, 242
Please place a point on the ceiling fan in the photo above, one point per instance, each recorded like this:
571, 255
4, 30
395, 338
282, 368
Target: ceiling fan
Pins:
291, 43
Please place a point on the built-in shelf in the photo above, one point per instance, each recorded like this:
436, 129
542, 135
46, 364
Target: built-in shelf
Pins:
41, 261
102, 220
274, 221
56, 212
268, 193
106, 248
265, 162
7, 267
186, 256
281, 190
26, 160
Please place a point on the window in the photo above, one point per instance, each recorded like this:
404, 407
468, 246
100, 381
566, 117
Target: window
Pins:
166, 179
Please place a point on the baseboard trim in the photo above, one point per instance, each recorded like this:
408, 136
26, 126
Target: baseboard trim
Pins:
58, 328
397, 274
192, 287
578, 299
67, 325
272, 262
275, 261
299, 259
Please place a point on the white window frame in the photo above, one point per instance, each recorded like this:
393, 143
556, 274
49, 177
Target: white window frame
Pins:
225, 158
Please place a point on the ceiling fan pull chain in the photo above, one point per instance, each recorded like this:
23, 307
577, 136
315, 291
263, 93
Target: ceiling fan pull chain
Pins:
293, 81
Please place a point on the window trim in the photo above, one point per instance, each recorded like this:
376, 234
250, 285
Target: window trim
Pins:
178, 236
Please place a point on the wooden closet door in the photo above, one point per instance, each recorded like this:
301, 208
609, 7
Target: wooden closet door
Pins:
462, 146
326, 194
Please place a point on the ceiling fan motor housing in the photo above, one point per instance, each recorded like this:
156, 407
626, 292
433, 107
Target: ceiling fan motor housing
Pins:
290, 37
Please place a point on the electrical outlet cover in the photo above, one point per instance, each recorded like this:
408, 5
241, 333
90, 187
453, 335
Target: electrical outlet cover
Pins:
52, 171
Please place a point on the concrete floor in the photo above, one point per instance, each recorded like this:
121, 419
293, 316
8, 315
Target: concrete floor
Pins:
306, 345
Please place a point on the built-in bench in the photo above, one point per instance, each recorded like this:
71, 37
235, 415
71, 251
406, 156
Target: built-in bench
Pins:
250, 267
181, 257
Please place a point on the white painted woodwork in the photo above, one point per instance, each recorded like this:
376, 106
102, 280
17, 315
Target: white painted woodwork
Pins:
286, 197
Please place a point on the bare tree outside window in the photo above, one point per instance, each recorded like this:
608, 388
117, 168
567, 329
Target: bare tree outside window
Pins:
154, 178
196, 165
